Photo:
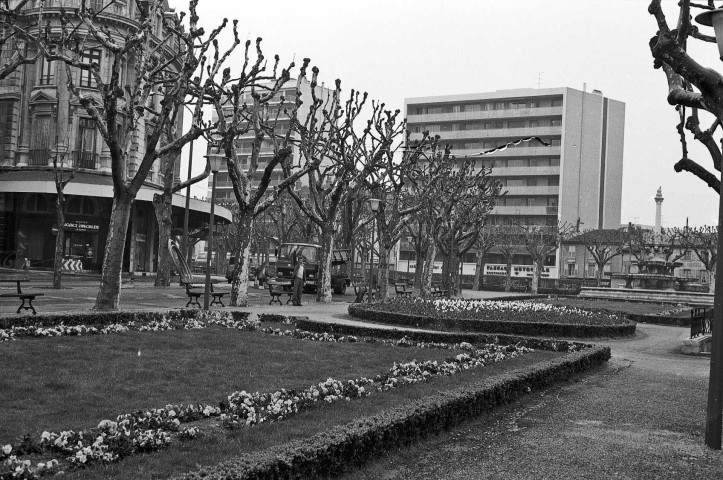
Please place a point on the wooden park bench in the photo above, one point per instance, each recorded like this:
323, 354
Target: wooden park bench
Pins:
195, 289
403, 290
277, 289
195, 286
20, 294
360, 291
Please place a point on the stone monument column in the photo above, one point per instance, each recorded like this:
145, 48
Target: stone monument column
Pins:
658, 210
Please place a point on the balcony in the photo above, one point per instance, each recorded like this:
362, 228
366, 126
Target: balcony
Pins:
525, 171
485, 115
87, 160
516, 152
524, 210
545, 190
504, 133
40, 157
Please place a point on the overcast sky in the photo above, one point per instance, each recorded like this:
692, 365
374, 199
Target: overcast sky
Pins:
402, 48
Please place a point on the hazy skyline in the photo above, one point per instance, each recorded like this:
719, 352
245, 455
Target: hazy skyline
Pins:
403, 48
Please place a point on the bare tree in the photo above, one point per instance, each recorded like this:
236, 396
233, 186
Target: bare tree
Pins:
704, 242
162, 56
603, 245
16, 36
511, 243
163, 207
694, 86
61, 181
541, 241
486, 240
346, 163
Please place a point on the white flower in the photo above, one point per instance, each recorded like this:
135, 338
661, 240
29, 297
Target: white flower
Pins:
7, 449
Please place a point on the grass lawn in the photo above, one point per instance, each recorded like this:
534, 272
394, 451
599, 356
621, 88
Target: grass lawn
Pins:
74, 382
640, 308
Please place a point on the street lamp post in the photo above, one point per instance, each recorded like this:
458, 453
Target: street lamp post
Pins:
714, 416
374, 204
214, 160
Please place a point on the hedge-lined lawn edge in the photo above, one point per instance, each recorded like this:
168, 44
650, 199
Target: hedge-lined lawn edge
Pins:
333, 451
492, 326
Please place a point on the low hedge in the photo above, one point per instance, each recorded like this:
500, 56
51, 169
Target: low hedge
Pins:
440, 337
492, 326
96, 319
335, 450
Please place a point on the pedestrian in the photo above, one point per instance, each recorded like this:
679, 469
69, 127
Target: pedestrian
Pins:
298, 282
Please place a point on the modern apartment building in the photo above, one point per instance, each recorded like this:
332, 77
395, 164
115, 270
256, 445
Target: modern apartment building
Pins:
224, 188
39, 121
576, 179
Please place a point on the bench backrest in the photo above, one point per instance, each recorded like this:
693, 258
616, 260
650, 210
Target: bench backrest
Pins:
179, 262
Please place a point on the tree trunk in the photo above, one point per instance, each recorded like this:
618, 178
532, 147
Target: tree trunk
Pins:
479, 271
508, 280
535, 277
383, 272
240, 276
110, 282
163, 207
599, 275
323, 284
428, 270
59, 242
419, 267
711, 281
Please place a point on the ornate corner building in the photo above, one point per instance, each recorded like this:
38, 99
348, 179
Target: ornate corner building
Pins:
41, 121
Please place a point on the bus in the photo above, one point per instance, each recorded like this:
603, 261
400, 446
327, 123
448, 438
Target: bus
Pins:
285, 261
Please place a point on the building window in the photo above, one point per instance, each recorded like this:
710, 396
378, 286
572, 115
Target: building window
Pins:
688, 255
555, 122
500, 106
551, 201
554, 162
6, 126
47, 72
553, 181
555, 142
519, 105
531, 182
42, 140
86, 77
516, 124
85, 156
36, 203
81, 206
534, 123
557, 102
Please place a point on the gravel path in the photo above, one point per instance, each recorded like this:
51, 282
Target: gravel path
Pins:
640, 417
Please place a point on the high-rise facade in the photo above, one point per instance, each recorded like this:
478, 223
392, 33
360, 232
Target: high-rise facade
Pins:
282, 102
576, 179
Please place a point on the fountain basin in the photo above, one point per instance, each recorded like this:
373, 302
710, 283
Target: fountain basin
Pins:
661, 296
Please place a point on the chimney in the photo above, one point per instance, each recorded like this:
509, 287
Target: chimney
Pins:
658, 209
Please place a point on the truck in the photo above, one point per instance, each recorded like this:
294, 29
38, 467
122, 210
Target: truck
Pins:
287, 253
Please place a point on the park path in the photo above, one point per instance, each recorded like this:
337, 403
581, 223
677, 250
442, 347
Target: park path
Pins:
640, 417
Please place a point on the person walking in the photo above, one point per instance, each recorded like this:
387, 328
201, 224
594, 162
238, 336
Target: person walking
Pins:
298, 282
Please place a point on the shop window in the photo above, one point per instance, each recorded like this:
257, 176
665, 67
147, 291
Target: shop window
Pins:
36, 203
80, 206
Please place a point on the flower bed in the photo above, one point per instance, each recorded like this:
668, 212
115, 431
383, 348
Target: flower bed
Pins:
139, 321
333, 451
526, 318
147, 431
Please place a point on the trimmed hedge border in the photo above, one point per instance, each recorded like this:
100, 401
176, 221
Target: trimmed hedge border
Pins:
333, 451
438, 336
95, 319
515, 328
